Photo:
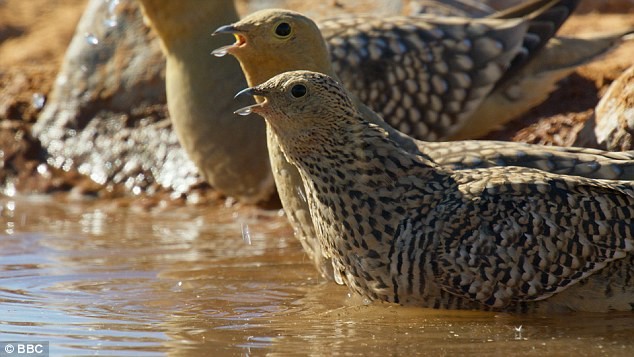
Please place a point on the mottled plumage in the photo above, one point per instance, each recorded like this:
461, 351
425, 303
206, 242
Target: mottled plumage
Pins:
533, 83
425, 74
472, 8
585, 162
401, 228
263, 54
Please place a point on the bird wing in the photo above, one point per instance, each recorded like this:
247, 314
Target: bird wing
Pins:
545, 17
424, 74
585, 162
471, 8
520, 235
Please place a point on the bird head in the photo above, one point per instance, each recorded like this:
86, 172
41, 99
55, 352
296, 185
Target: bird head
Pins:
273, 41
305, 109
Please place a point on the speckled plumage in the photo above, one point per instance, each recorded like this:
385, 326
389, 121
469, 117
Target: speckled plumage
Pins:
401, 228
427, 74
424, 74
385, 63
577, 161
258, 51
472, 8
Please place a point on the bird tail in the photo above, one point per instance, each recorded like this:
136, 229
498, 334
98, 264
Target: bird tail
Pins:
544, 18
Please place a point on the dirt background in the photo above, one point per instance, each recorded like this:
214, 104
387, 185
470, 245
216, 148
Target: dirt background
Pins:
34, 35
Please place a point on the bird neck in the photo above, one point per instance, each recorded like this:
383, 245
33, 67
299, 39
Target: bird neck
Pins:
347, 181
358, 147
185, 24
259, 68
358, 190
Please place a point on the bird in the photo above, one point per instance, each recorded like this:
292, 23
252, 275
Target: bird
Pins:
236, 166
533, 83
230, 154
400, 228
426, 74
262, 55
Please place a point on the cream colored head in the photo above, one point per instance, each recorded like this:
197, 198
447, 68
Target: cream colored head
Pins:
270, 42
307, 110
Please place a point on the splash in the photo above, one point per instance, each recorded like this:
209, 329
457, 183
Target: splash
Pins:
111, 20
246, 234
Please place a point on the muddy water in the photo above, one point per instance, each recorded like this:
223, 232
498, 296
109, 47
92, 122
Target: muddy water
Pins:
99, 278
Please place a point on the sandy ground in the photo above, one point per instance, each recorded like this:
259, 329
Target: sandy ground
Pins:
34, 35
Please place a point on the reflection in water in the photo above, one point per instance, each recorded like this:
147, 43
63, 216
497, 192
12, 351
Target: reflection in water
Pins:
102, 277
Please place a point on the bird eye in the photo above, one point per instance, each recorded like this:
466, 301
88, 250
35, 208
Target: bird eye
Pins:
283, 29
298, 90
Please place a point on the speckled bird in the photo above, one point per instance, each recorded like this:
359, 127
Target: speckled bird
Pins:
401, 228
258, 47
426, 75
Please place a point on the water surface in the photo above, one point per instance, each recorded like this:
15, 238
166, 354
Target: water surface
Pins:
102, 277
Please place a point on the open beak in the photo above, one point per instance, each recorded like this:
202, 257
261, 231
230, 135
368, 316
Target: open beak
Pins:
232, 30
254, 107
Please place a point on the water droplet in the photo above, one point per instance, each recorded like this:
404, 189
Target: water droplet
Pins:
111, 21
300, 192
38, 100
220, 52
246, 234
244, 111
112, 6
91, 39
42, 169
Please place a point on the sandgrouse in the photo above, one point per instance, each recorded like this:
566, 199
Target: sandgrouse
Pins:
230, 154
263, 53
430, 77
401, 228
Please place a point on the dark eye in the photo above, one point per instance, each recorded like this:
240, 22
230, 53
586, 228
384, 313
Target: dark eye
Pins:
283, 29
298, 90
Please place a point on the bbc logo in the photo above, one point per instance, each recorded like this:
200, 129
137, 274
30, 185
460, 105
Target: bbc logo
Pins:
24, 348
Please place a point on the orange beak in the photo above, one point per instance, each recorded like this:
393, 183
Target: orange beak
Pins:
229, 29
